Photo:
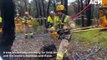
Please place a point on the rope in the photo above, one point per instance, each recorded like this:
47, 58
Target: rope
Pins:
88, 30
85, 27
75, 16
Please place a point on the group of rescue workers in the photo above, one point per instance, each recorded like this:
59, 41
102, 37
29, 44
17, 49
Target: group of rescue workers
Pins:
24, 24
58, 21
59, 24
55, 21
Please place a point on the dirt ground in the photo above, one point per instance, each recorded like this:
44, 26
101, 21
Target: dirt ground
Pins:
76, 49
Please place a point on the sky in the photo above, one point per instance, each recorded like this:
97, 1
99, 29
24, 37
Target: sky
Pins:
69, 1
30, 0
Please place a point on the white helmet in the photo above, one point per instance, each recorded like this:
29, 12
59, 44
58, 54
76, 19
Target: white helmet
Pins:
52, 12
26, 12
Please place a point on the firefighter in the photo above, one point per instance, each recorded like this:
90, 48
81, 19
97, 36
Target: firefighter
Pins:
103, 18
18, 23
50, 22
27, 22
62, 22
51, 19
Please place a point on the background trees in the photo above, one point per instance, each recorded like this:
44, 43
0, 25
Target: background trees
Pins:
41, 8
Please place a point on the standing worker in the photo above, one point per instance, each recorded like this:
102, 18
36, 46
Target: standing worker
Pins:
18, 23
28, 25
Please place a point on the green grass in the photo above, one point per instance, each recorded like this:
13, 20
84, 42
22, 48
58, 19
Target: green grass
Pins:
37, 27
35, 24
92, 37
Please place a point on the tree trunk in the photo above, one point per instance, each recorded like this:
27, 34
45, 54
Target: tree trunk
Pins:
40, 8
88, 14
66, 6
25, 1
48, 7
8, 36
37, 7
65, 3
82, 17
78, 6
44, 11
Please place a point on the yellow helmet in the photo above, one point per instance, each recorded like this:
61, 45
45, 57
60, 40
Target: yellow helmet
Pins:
60, 7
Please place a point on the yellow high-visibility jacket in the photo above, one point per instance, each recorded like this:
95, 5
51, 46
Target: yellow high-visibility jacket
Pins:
64, 22
103, 21
0, 19
49, 19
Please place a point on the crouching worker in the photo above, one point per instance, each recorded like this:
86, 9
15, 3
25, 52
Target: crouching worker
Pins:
51, 19
50, 22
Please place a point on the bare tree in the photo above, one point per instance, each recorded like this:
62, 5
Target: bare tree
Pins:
65, 3
26, 4
82, 15
88, 14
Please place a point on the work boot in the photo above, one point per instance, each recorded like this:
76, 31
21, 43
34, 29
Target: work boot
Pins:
31, 35
26, 36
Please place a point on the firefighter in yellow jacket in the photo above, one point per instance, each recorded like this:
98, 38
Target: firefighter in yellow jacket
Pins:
62, 22
27, 22
50, 22
103, 19
18, 23
51, 19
